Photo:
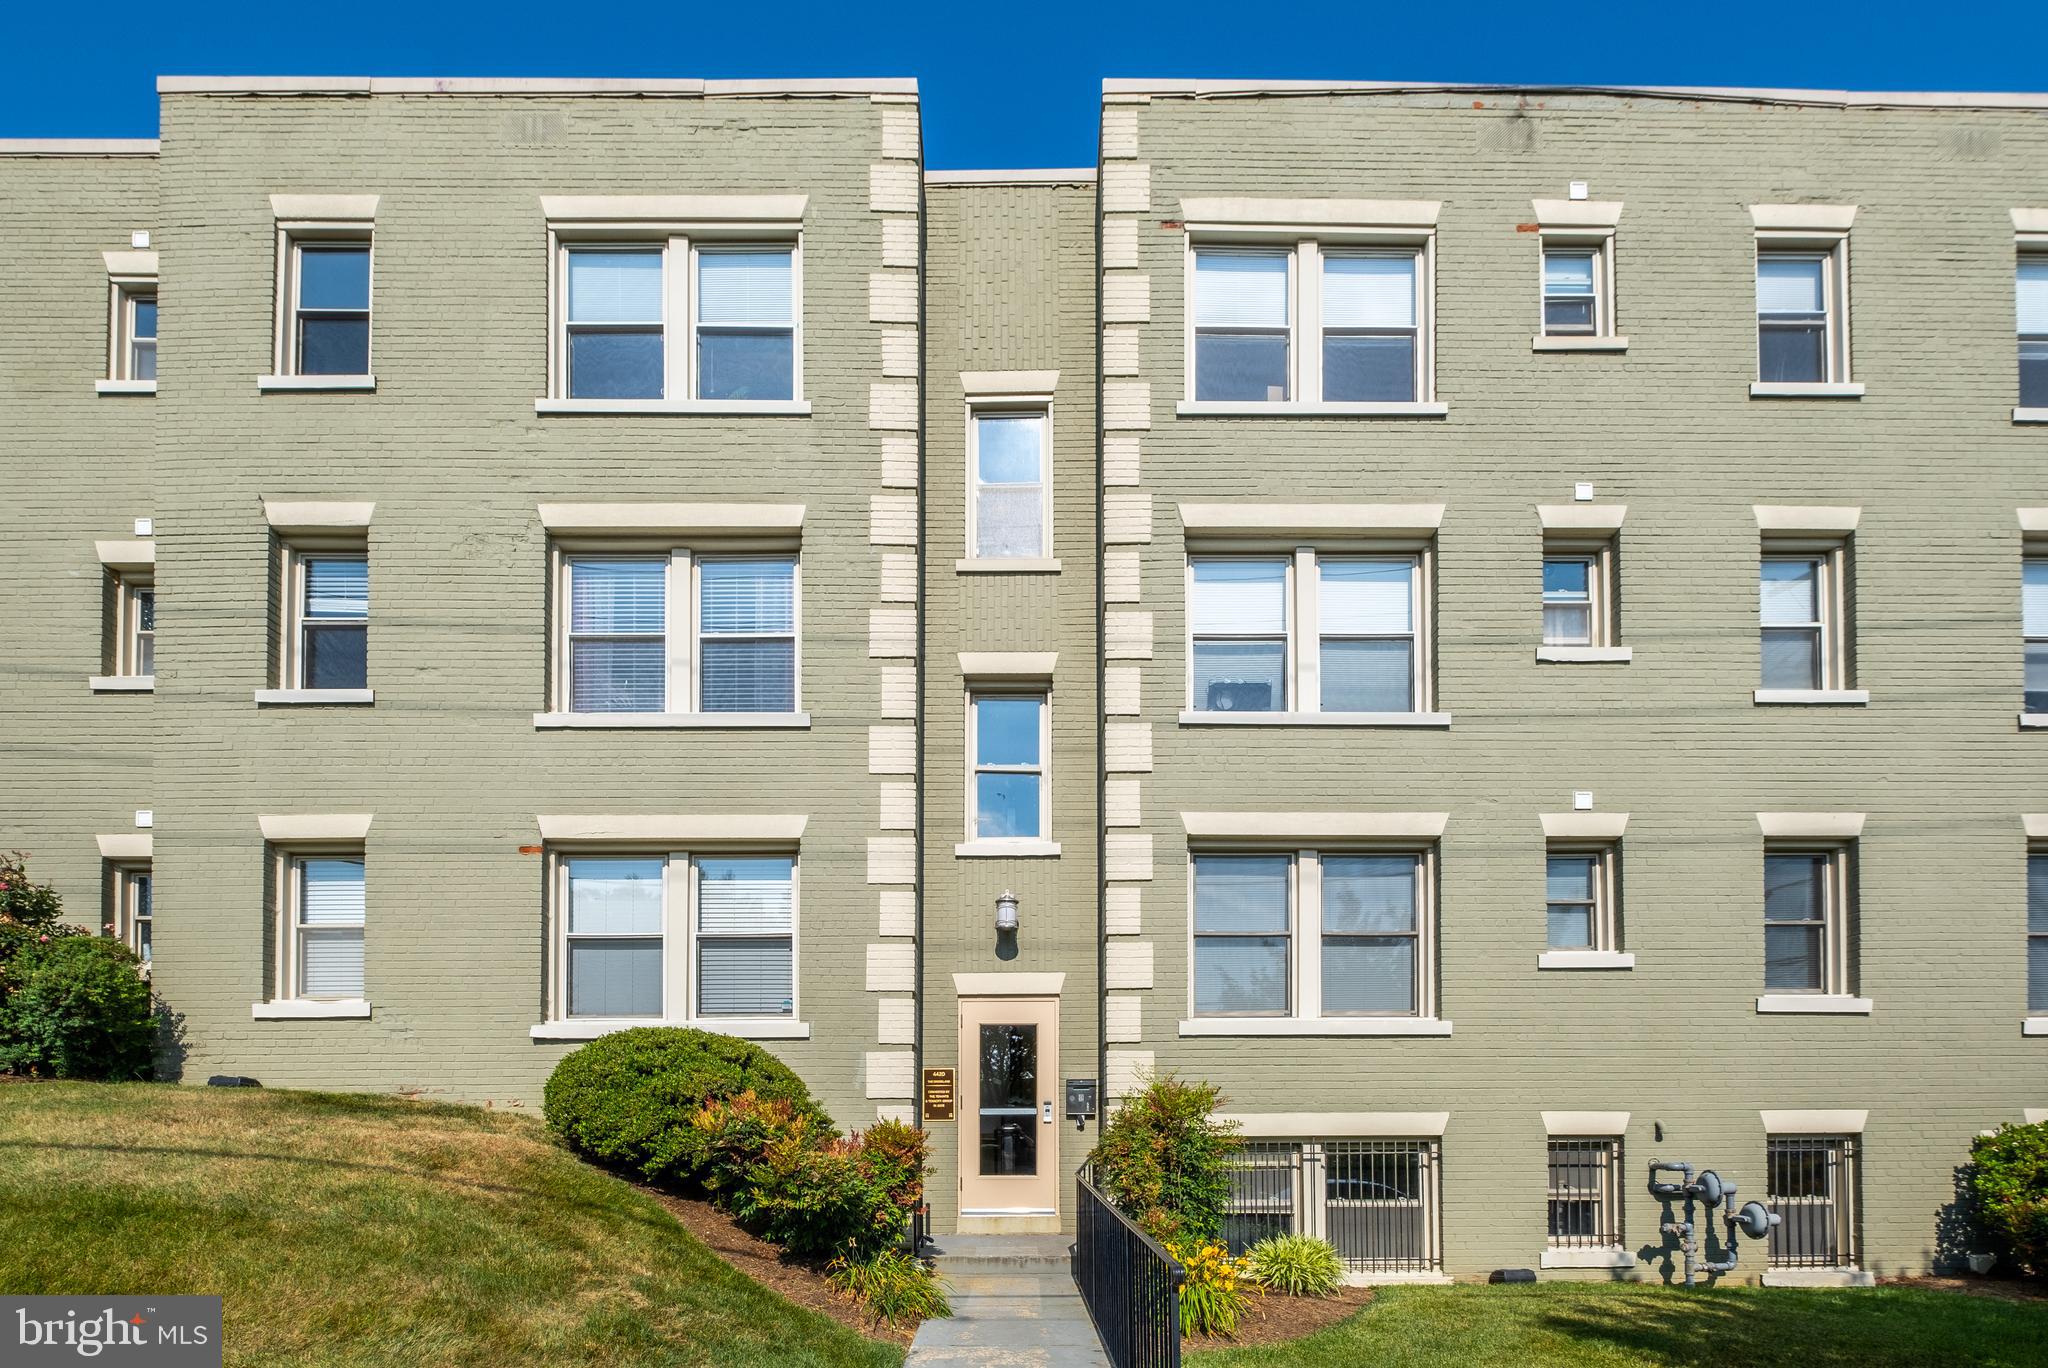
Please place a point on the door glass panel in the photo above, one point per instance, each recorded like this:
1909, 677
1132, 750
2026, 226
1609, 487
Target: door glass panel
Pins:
1009, 1101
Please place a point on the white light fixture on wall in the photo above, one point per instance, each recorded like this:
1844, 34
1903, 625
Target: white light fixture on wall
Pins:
1006, 911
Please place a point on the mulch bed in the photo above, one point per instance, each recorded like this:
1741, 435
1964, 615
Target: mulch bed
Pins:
2004, 1289
802, 1283
1275, 1319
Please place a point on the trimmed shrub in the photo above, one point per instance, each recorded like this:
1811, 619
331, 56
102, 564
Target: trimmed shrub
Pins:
2009, 1178
736, 1132
891, 1287
1295, 1265
1165, 1160
1214, 1295
628, 1100
77, 1007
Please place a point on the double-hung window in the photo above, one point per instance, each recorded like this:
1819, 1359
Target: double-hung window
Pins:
1802, 330
324, 917
1811, 1185
678, 632
1009, 736
135, 625
131, 322
1310, 632
1312, 934
2037, 933
1572, 304
2034, 631
2031, 288
629, 947
677, 318
1579, 899
1569, 585
1806, 920
1800, 607
326, 619
1009, 513
1339, 320
134, 909
327, 294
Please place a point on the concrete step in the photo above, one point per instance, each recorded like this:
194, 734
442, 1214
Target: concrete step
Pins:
1009, 1282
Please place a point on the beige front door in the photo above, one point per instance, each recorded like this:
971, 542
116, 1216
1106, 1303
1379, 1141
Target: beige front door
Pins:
1009, 1136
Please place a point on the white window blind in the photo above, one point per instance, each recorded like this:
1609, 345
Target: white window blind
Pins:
1369, 933
1790, 593
614, 941
2034, 597
2032, 287
743, 288
1568, 273
745, 928
614, 287
615, 897
1240, 290
747, 620
330, 928
745, 897
1368, 291
617, 630
1240, 598
1789, 285
1366, 597
337, 587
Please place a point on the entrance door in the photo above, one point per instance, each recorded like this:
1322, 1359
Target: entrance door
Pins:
1009, 1139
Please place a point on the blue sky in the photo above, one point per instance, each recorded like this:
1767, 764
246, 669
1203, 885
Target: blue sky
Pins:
1007, 85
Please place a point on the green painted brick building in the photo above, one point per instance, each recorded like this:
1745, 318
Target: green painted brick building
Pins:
1492, 624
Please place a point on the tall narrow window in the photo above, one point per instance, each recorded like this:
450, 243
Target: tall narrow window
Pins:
327, 925
1370, 346
614, 936
334, 622
618, 617
1805, 921
1568, 584
1366, 613
1011, 799
1795, 317
1371, 925
2034, 630
1241, 319
614, 323
1571, 292
746, 936
1242, 935
143, 651
139, 306
1795, 598
746, 617
330, 307
1240, 622
746, 327
135, 910
2032, 289
134, 644
1009, 514
2037, 932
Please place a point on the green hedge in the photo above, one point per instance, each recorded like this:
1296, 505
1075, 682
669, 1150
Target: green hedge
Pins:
75, 1007
2009, 1178
627, 1099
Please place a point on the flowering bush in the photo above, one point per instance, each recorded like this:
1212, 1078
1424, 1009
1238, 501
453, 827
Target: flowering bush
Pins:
72, 1005
2009, 1179
1216, 1291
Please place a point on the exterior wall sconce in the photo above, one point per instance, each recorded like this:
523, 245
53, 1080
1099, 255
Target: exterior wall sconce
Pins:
1006, 911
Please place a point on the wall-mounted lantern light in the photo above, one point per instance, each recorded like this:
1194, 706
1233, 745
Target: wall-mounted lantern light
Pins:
1006, 911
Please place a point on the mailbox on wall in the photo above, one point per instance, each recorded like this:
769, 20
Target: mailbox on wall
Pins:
1080, 1100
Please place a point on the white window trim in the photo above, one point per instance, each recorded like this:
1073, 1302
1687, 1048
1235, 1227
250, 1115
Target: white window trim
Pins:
286, 999
1304, 1014
1020, 405
680, 634
128, 677
1042, 844
125, 926
1602, 551
1302, 679
1833, 997
130, 275
678, 244
1606, 335
292, 555
1610, 1194
1832, 246
1605, 952
1304, 247
679, 939
293, 234
1836, 656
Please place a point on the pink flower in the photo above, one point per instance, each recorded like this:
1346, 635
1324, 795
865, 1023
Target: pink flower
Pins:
44, 939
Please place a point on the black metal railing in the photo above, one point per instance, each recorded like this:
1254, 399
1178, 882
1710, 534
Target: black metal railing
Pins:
919, 1232
1130, 1285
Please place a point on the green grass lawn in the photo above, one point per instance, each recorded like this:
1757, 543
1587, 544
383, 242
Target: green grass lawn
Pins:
1603, 1325
371, 1231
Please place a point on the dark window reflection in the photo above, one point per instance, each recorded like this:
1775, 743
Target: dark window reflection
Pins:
1009, 1101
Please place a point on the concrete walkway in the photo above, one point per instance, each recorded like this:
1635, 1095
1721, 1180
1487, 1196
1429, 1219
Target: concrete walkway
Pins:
1014, 1306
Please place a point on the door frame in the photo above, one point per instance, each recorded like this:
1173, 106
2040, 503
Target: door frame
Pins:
1040, 1199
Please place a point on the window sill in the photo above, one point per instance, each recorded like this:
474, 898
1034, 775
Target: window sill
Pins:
301, 384
1324, 1026
992, 850
306, 697
1585, 655
1578, 344
1588, 1258
749, 721
2034, 1026
300, 1009
1585, 959
149, 387
1812, 697
1818, 1277
991, 566
1814, 1004
2030, 415
136, 684
1212, 408
796, 408
746, 1028
1317, 719
2033, 721
1778, 389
